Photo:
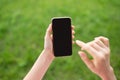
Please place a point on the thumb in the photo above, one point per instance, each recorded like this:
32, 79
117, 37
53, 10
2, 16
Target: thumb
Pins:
86, 60
48, 32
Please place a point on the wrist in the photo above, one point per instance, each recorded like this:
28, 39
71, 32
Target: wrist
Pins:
48, 54
109, 75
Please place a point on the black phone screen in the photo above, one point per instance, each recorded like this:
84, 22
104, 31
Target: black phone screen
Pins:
62, 37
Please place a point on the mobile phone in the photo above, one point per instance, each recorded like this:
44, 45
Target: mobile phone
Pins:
62, 36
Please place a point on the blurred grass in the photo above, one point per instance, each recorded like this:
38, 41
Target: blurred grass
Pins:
23, 24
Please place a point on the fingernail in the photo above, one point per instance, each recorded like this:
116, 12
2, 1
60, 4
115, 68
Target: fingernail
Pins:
77, 41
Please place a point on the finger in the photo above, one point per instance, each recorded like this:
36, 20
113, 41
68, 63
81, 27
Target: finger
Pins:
86, 60
95, 45
104, 40
73, 36
80, 43
87, 47
100, 43
72, 27
49, 30
73, 32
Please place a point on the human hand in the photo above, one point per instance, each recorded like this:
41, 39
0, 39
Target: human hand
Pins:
46, 57
100, 51
48, 45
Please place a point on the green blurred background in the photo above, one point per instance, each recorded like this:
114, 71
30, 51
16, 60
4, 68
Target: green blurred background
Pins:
22, 28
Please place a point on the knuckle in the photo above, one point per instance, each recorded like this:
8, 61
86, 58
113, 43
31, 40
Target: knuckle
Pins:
101, 58
107, 52
85, 47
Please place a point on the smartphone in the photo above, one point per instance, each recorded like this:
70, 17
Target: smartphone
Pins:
62, 36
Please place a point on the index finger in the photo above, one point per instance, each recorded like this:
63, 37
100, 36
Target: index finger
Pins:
87, 47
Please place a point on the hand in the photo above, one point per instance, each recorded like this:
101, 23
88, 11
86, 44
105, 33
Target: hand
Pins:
48, 45
45, 59
100, 51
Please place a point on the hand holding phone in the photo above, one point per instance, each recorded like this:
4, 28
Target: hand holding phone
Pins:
62, 36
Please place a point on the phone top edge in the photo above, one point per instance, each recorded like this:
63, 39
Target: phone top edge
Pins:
60, 18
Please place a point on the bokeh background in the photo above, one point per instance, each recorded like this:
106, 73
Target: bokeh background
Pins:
22, 28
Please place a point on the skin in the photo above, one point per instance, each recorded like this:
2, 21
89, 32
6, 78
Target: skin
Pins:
45, 59
98, 49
